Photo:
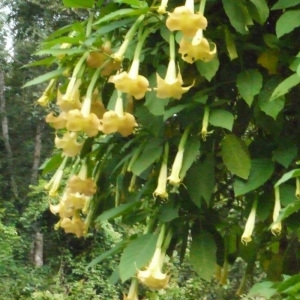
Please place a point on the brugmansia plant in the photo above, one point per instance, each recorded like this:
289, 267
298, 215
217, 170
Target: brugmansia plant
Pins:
181, 118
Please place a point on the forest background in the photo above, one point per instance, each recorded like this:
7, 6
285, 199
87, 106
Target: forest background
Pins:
253, 113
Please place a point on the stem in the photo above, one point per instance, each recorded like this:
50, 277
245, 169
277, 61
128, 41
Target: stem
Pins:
172, 46
202, 6
184, 138
190, 5
297, 187
89, 25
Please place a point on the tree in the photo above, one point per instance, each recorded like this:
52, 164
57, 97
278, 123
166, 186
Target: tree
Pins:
181, 118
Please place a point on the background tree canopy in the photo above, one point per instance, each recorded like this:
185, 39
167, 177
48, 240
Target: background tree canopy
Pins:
176, 141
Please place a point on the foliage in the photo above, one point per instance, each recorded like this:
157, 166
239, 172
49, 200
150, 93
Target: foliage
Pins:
190, 157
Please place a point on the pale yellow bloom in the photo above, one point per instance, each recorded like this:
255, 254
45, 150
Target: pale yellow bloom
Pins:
58, 122
74, 225
153, 277
69, 144
62, 210
131, 82
249, 227
174, 178
171, 86
109, 122
191, 52
85, 186
276, 226
184, 19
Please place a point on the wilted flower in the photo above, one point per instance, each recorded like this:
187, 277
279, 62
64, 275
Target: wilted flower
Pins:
249, 227
276, 226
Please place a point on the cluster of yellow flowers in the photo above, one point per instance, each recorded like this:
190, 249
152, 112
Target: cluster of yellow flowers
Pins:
82, 116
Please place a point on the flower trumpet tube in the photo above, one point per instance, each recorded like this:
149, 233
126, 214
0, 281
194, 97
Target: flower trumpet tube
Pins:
133, 291
249, 227
174, 177
131, 82
163, 6
153, 277
161, 189
276, 226
54, 183
171, 86
204, 131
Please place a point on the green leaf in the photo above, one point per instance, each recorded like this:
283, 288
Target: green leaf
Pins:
124, 12
262, 289
136, 255
236, 156
190, 154
286, 284
44, 77
288, 210
134, 3
249, 84
168, 212
261, 170
271, 108
148, 156
51, 164
203, 255
287, 176
58, 52
285, 86
287, 22
285, 153
117, 248
116, 211
285, 4
79, 3
174, 110
200, 180
238, 15
261, 11
221, 118
208, 69
156, 106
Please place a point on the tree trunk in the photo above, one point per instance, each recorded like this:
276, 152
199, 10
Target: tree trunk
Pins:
37, 152
38, 249
5, 134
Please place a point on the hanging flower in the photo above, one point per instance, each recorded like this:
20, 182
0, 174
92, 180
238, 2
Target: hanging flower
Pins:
74, 225
249, 227
171, 86
133, 291
62, 210
131, 82
163, 6
184, 19
58, 122
153, 277
54, 183
77, 122
161, 189
68, 143
199, 50
276, 226
85, 186
109, 122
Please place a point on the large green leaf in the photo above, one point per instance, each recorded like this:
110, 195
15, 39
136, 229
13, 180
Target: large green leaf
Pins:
238, 15
117, 248
190, 154
117, 211
249, 84
285, 86
148, 156
79, 3
261, 170
287, 176
200, 180
51, 163
136, 255
203, 255
263, 289
288, 210
44, 77
236, 156
285, 4
287, 22
261, 11
221, 118
285, 153
208, 69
